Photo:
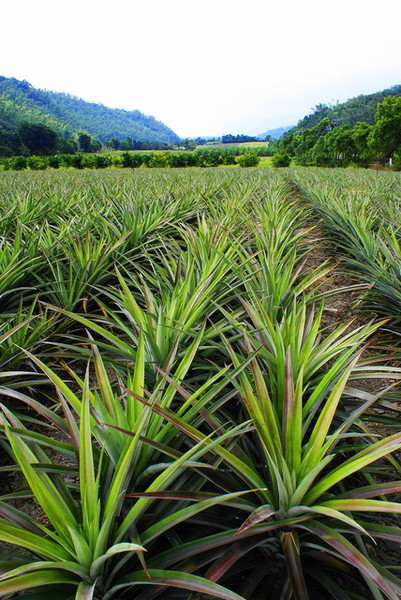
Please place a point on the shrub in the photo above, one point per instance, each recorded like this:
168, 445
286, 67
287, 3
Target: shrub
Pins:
116, 161
102, 161
160, 160
76, 161
211, 157
6, 164
136, 160
182, 159
36, 163
229, 158
146, 159
18, 163
130, 160
54, 161
281, 159
249, 159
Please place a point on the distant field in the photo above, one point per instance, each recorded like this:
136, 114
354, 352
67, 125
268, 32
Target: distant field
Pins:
251, 144
242, 145
265, 161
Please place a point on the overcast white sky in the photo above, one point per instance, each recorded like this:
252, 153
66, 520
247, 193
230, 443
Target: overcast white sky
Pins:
205, 67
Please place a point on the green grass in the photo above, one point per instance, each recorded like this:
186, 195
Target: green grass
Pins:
265, 161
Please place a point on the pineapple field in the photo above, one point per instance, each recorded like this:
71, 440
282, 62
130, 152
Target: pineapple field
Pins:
200, 384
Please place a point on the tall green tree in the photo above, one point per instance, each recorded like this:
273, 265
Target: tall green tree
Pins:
386, 133
340, 145
361, 133
38, 138
11, 143
84, 142
65, 146
87, 144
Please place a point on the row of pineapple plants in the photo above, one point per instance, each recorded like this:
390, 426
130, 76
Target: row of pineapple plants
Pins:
172, 404
361, 218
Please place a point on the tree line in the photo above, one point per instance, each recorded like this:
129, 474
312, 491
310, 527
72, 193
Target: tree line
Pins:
38, 139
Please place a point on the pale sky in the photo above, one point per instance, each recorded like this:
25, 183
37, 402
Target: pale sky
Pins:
205, 67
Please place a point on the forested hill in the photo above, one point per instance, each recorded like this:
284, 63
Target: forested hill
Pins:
21, 102
356, 110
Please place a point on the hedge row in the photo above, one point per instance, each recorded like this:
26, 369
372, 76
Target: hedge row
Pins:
210, 157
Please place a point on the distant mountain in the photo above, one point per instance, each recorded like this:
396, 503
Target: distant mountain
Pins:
275, 133
66, 114
359, 109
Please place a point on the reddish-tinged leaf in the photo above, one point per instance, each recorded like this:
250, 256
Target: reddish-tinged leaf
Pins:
40, 409
162, 448
176, 579
165, 414
216, 541
85, 591
71, 423
257, 516
288, 395
157, 445
364, 505
230, 557
290, 545
30, 580
352, 555
171, 495
97, 564
382, 531
16, 517
176, 385
371, 491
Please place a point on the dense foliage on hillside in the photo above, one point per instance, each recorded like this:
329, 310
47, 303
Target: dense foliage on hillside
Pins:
328, 143
360, 109
67, 115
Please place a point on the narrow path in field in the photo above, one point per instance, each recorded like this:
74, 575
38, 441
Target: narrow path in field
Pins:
346, 306
343, 305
